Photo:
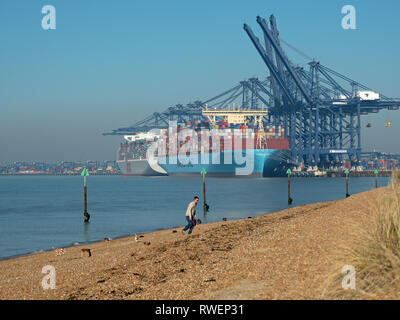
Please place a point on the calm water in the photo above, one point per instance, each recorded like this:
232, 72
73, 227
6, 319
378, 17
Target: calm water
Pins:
44, 212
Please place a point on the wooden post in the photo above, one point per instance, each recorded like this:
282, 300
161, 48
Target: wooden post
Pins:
290, 200
205, 205
347, 183
86, 215
376, 179
85, 193
204, 193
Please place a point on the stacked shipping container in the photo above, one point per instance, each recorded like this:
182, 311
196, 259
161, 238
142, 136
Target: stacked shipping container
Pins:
272, 137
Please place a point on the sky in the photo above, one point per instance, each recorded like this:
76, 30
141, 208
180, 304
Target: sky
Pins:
109, 64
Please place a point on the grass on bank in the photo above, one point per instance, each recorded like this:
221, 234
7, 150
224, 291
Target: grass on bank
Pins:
375, 254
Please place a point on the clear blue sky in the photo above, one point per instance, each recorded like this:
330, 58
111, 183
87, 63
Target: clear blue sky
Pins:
109, 64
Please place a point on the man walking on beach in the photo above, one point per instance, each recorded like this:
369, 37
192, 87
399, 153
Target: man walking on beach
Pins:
191, 215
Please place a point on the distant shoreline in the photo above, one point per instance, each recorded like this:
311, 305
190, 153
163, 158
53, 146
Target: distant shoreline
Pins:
59, 174
305, 175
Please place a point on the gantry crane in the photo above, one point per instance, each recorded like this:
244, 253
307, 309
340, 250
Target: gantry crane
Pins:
320, 108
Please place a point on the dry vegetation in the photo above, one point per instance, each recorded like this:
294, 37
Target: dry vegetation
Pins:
375, 252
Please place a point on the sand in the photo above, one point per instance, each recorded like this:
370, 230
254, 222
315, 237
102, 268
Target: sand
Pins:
284, 255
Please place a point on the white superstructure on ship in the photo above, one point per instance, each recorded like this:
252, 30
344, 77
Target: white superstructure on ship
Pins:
138, 165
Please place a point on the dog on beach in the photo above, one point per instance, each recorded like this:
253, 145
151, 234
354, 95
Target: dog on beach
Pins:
59, 252
86, 252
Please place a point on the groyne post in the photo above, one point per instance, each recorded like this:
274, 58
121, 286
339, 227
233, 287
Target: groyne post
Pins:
203, 172
290, 200
376, 178
347, 183
86, 215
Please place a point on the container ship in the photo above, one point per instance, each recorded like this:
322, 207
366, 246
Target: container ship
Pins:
229, 143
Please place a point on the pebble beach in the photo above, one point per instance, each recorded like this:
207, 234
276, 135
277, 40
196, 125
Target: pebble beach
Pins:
284, 255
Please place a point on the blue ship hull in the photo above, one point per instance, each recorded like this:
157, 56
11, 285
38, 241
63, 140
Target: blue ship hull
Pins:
267, 163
